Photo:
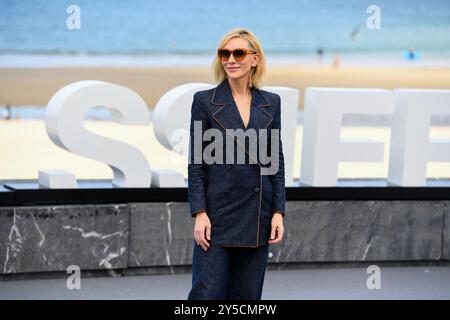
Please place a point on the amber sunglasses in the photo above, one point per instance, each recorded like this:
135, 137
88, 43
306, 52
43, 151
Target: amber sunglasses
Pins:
238, 54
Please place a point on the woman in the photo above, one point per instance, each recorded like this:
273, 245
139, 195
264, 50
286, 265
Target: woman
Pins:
236, 207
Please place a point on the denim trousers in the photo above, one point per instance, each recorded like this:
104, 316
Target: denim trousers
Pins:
228, 273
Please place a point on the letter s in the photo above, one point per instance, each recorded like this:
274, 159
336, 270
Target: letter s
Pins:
64, 123
171, 116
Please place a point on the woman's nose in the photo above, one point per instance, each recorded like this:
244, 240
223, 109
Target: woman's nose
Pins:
231, 58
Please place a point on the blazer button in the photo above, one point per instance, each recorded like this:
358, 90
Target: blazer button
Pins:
256, 189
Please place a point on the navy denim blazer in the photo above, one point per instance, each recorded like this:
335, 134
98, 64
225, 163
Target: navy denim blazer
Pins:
237, 198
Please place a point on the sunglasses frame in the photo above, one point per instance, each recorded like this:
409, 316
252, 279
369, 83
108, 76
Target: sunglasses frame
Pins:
231, 52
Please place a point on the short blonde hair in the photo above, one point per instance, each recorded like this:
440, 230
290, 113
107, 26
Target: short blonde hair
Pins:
257, 72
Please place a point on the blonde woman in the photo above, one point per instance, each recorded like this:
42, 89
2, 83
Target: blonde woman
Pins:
238, 210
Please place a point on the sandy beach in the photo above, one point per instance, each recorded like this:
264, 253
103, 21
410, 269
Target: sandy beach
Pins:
25, 139
35, 86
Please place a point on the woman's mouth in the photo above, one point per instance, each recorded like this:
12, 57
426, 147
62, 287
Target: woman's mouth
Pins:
232, 68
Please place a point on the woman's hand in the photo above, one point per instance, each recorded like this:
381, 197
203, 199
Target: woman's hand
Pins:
276, 235
202, 230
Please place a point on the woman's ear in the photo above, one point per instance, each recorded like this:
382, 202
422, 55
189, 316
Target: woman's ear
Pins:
255, 60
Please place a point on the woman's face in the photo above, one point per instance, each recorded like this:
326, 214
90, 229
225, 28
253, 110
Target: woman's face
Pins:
239, 69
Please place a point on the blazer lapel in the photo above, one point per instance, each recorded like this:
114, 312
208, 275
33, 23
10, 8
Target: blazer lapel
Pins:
228, 115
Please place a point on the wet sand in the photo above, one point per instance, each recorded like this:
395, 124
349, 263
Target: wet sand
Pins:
35, 86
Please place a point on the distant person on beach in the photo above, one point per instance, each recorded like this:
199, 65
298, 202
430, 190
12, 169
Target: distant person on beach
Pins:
411, 54
319, 52
8, 112
238, 210
337, 60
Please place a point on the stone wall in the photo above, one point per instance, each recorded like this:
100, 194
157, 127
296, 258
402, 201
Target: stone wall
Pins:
153, 235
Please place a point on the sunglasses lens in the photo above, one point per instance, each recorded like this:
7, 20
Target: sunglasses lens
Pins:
224, 54
239, 54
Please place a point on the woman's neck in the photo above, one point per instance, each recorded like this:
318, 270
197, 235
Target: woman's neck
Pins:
239, 87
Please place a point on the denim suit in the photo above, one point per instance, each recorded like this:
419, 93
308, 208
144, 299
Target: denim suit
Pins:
238, 199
